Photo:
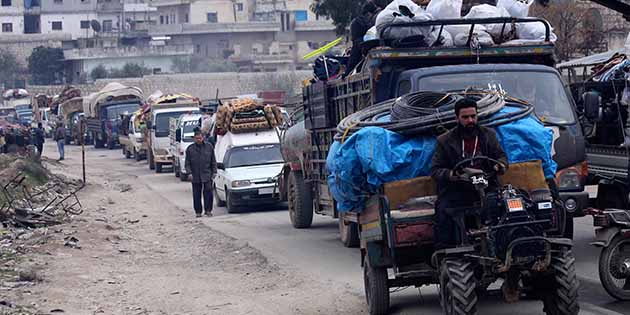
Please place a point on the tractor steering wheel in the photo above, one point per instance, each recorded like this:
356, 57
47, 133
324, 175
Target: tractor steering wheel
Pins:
461, 166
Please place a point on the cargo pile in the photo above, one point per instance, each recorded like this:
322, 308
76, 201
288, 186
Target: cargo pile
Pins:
247, 115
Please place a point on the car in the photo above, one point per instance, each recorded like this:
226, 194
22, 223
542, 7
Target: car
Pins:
248, 167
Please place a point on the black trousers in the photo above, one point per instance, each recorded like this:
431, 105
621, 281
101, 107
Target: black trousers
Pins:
40, 148
445, 229
204, 189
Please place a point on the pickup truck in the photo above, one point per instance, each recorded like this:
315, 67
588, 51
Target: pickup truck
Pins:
524, 70
182, 136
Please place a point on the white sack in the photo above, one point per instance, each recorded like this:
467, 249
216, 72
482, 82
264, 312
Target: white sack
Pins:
534, 31
483, 37
516, 8
483, 11
445, 9
370, 34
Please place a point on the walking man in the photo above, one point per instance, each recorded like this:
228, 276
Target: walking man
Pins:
39, 139
201, 166
60, 137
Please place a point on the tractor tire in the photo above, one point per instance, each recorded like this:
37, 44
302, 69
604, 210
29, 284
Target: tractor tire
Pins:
561, 295
348, 233
458, 294
376, 289
300, 201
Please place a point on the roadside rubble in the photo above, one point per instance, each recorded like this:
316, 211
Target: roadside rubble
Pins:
32, 201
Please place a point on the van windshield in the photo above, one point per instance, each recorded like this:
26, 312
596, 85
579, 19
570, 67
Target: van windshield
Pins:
542, 89
253, 155
114, 112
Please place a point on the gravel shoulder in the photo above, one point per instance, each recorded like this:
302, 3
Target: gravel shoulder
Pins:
137, 253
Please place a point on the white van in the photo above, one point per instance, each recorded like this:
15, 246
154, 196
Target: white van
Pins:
182, 136
248, 166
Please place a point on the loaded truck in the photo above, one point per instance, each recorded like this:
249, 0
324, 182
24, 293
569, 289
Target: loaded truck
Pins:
157, 120
524, 70
103, 110
69, 112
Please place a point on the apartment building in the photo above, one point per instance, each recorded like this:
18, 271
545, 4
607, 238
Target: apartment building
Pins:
12, 17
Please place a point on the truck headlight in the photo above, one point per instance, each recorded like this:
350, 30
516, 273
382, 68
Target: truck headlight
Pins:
568, 179
241, 183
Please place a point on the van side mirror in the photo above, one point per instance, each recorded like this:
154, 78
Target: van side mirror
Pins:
592, 101
221, 166
178, 135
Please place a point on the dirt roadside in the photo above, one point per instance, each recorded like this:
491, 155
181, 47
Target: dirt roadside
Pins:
140, 254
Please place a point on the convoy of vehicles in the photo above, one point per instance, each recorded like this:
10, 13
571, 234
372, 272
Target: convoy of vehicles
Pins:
17, 107
157, 117
104, 109
248, 167
182, 135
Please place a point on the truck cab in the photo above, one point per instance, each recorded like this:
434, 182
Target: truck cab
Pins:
390, 70
159, 154
182, 136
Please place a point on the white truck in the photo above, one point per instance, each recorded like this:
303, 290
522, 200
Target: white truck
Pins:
248, 166
157, 132
182, 135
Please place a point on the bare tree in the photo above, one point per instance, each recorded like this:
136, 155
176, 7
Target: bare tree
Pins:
566, 18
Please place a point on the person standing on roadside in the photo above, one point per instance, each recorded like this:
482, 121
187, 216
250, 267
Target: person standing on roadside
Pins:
60, 137
39, 137
201, 165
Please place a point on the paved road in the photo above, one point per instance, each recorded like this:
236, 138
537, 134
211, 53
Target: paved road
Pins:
317, 251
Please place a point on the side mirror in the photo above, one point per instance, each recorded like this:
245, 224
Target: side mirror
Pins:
592, 101
221, 166
178, 135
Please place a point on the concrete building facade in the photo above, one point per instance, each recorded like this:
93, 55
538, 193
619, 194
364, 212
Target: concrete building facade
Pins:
11, 17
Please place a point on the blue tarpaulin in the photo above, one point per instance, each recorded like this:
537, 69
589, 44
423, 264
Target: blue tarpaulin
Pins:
374, 156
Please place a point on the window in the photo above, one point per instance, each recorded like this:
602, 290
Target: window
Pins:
186, 18
107, 25
301, 15
7, 28
6, 3
213, 17
239, 7
404, 87
57, 26
85, 24
167, 19
161, 19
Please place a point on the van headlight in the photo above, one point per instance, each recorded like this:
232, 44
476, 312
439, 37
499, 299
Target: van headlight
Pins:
241, 183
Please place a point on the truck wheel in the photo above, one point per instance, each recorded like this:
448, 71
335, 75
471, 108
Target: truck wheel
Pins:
458, 295
300, 201
348, 233
158, 167
230, 206
176, 170
151, 162
136, 155
614, 271
561, 294
220, 203
376, 288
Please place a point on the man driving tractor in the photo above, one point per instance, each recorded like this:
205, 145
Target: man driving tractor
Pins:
467, 140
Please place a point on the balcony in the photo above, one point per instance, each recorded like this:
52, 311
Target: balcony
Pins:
130, 51
216, 28
322, 25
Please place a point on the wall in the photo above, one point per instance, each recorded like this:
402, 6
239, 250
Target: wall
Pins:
22, 45
71, 23
163, 62
67, 6
202, 85
199, 11
16, 21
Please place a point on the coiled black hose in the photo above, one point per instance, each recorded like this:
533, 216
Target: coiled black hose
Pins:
424, 113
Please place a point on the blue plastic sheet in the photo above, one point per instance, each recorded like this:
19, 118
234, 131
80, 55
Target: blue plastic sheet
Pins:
374, 156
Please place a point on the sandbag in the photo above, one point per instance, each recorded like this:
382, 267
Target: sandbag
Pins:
516, 8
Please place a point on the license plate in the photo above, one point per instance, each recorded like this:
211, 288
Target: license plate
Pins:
266, 191
515, 205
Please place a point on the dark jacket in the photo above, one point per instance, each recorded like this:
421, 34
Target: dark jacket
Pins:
200, 162
448, 152
39, 136
60, 133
